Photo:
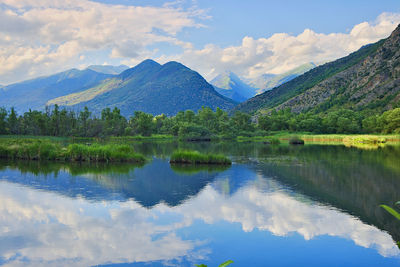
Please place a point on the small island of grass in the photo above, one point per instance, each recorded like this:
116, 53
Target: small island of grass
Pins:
42, 149
195, 157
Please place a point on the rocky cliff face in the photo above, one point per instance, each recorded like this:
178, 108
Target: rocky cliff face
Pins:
366, 79
373, 82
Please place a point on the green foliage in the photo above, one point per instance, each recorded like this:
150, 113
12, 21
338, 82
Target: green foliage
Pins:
392, 211
101, 153
38, 149
206, 124
195, 157
221, 265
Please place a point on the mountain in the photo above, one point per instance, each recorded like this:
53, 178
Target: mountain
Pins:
33, 94
268, 81
108, 69
366, 79
230, 85
149, 87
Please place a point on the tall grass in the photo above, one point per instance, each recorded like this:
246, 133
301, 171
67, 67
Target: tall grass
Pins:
195, 157
101, 153
37, 149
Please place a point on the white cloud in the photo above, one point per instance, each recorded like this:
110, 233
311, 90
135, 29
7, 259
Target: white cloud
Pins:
282, 52
40, 37
49, 228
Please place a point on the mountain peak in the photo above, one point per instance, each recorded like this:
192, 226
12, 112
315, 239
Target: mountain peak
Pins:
174, 64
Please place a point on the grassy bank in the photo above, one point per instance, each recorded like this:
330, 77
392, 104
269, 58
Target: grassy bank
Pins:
44, 149
195, 157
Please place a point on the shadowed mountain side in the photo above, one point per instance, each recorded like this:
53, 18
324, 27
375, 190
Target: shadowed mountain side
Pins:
33, 94
152, 88
150, 185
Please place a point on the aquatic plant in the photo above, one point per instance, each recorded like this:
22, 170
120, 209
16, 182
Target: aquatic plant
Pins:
221, 265
391, 210
195, 157
394, 213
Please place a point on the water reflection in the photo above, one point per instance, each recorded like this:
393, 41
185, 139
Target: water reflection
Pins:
280, 200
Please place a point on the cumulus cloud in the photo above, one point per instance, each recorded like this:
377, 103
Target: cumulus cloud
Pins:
282, 52
44, 228
39, 37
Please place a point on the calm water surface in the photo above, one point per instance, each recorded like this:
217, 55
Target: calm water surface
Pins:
275, 206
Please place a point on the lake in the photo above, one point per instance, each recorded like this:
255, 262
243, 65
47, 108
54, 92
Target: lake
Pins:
281, 205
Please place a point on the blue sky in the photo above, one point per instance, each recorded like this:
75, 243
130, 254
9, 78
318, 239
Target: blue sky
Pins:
248, 37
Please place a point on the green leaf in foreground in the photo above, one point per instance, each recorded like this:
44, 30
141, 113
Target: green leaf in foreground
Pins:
225, 263
391, 211
221, 265
397, 203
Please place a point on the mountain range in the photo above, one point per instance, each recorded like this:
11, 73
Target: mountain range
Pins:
230, 85
108, 69
33, 94
148, 87
268, 81
368, 79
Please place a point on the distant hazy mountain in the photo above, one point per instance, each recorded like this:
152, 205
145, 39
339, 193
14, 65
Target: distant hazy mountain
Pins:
33, 94
149, 87
230, 85
368, 79
268, 81
108, 69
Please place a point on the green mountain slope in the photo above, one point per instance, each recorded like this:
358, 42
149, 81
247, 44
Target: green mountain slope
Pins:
230, 85
365, 79
149, 87
33, 94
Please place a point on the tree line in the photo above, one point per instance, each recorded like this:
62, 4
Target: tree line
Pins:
203, 123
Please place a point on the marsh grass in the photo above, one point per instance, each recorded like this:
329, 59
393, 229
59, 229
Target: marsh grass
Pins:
368, 142
195, 157
42, 149
101, 153
264, 139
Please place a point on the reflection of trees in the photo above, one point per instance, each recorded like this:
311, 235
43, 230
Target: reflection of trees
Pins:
149, 185
356, 181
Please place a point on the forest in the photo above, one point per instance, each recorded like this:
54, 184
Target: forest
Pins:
203, 123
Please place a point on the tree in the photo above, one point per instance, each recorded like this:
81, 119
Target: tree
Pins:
83, 119
13, 122
142, 123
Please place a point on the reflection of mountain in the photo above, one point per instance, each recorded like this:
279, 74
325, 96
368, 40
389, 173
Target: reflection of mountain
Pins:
242, 213
349, 179
149, 185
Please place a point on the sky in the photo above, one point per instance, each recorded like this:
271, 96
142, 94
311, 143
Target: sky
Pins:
250, 38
